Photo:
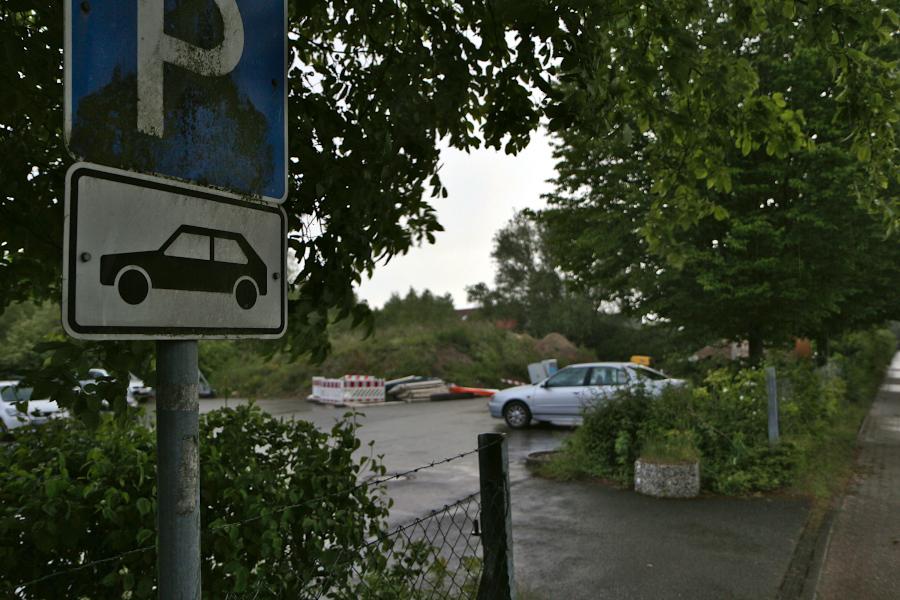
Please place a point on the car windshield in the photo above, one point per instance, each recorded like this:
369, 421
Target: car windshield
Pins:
16, 394
648, 374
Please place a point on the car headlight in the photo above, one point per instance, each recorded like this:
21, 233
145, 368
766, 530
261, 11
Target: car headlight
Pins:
12, 411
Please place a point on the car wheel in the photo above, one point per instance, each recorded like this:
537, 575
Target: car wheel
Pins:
133, 285
245, 293
517, 415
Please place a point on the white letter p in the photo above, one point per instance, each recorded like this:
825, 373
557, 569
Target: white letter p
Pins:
156, 47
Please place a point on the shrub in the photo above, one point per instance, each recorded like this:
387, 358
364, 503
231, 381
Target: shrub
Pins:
279, 503
861, 358
725, 420
606, 445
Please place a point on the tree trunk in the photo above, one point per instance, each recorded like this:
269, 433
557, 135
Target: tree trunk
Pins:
756, 348
823, 349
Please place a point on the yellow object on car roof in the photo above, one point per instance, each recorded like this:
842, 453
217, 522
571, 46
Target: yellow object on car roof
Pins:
641, 360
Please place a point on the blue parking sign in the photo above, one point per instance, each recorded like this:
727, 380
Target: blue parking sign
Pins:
194, 90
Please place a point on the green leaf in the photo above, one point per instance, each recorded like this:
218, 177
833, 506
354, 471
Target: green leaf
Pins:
144, 506
788, 9
643, 122
144, 534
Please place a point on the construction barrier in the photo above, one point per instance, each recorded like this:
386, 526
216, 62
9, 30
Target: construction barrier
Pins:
349, 389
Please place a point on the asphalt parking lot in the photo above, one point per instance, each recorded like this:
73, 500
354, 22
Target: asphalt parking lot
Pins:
577, 540
412, 435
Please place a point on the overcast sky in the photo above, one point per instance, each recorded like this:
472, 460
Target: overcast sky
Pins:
486, 188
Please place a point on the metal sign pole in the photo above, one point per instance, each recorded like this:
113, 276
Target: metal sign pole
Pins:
178, 470
772, 391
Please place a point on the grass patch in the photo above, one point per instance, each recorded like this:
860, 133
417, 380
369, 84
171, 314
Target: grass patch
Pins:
827, 464
671, 447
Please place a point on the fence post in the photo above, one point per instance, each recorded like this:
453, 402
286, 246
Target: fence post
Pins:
497, 575
772, 389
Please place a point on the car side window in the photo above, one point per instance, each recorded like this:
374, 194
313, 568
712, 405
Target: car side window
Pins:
573, 376
189, 245
607, 376
600, 376
14, 394
228, 251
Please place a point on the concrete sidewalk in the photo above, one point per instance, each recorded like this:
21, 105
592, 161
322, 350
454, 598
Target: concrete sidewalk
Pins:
862, 558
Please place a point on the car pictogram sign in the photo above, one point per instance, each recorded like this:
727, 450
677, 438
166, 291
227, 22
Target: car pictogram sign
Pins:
145, 259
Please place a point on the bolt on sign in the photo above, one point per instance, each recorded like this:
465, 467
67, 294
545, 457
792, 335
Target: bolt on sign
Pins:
194, 90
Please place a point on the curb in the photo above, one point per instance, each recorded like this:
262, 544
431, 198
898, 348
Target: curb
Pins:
803, 572
801, 581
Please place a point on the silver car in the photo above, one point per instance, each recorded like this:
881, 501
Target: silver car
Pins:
562, 398
37, 411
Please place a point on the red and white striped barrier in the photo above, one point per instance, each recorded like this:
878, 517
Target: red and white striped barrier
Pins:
364, 389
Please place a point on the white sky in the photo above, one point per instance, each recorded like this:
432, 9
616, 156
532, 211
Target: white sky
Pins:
486, 188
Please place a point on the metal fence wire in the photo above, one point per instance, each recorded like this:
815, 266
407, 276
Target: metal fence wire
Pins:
435, 557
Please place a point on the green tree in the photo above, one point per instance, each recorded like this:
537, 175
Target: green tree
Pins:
529, 289
787, 251
415, 308
375, 85
22, 326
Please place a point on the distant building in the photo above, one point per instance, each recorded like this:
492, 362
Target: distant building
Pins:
723, 350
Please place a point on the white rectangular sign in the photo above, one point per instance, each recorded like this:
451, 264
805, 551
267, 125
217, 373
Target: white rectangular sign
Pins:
146, 258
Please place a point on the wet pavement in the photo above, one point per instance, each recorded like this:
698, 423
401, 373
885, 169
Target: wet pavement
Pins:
584, 540
579, 540
412, 435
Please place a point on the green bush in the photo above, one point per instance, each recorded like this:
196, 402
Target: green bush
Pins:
280, 507
861, 358
725, 419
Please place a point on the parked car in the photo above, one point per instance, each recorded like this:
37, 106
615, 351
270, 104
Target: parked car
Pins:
205, 390
96, 374
37, 412
139, 392
562, 398
138, 389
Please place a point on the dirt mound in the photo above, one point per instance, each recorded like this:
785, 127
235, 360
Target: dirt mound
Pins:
556, 345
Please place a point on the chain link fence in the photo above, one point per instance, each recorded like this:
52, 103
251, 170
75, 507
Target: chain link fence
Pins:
461, 551
438, 556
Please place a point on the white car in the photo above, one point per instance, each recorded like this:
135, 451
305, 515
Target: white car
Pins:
37, 412
135, 385
138, 389
563, 397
